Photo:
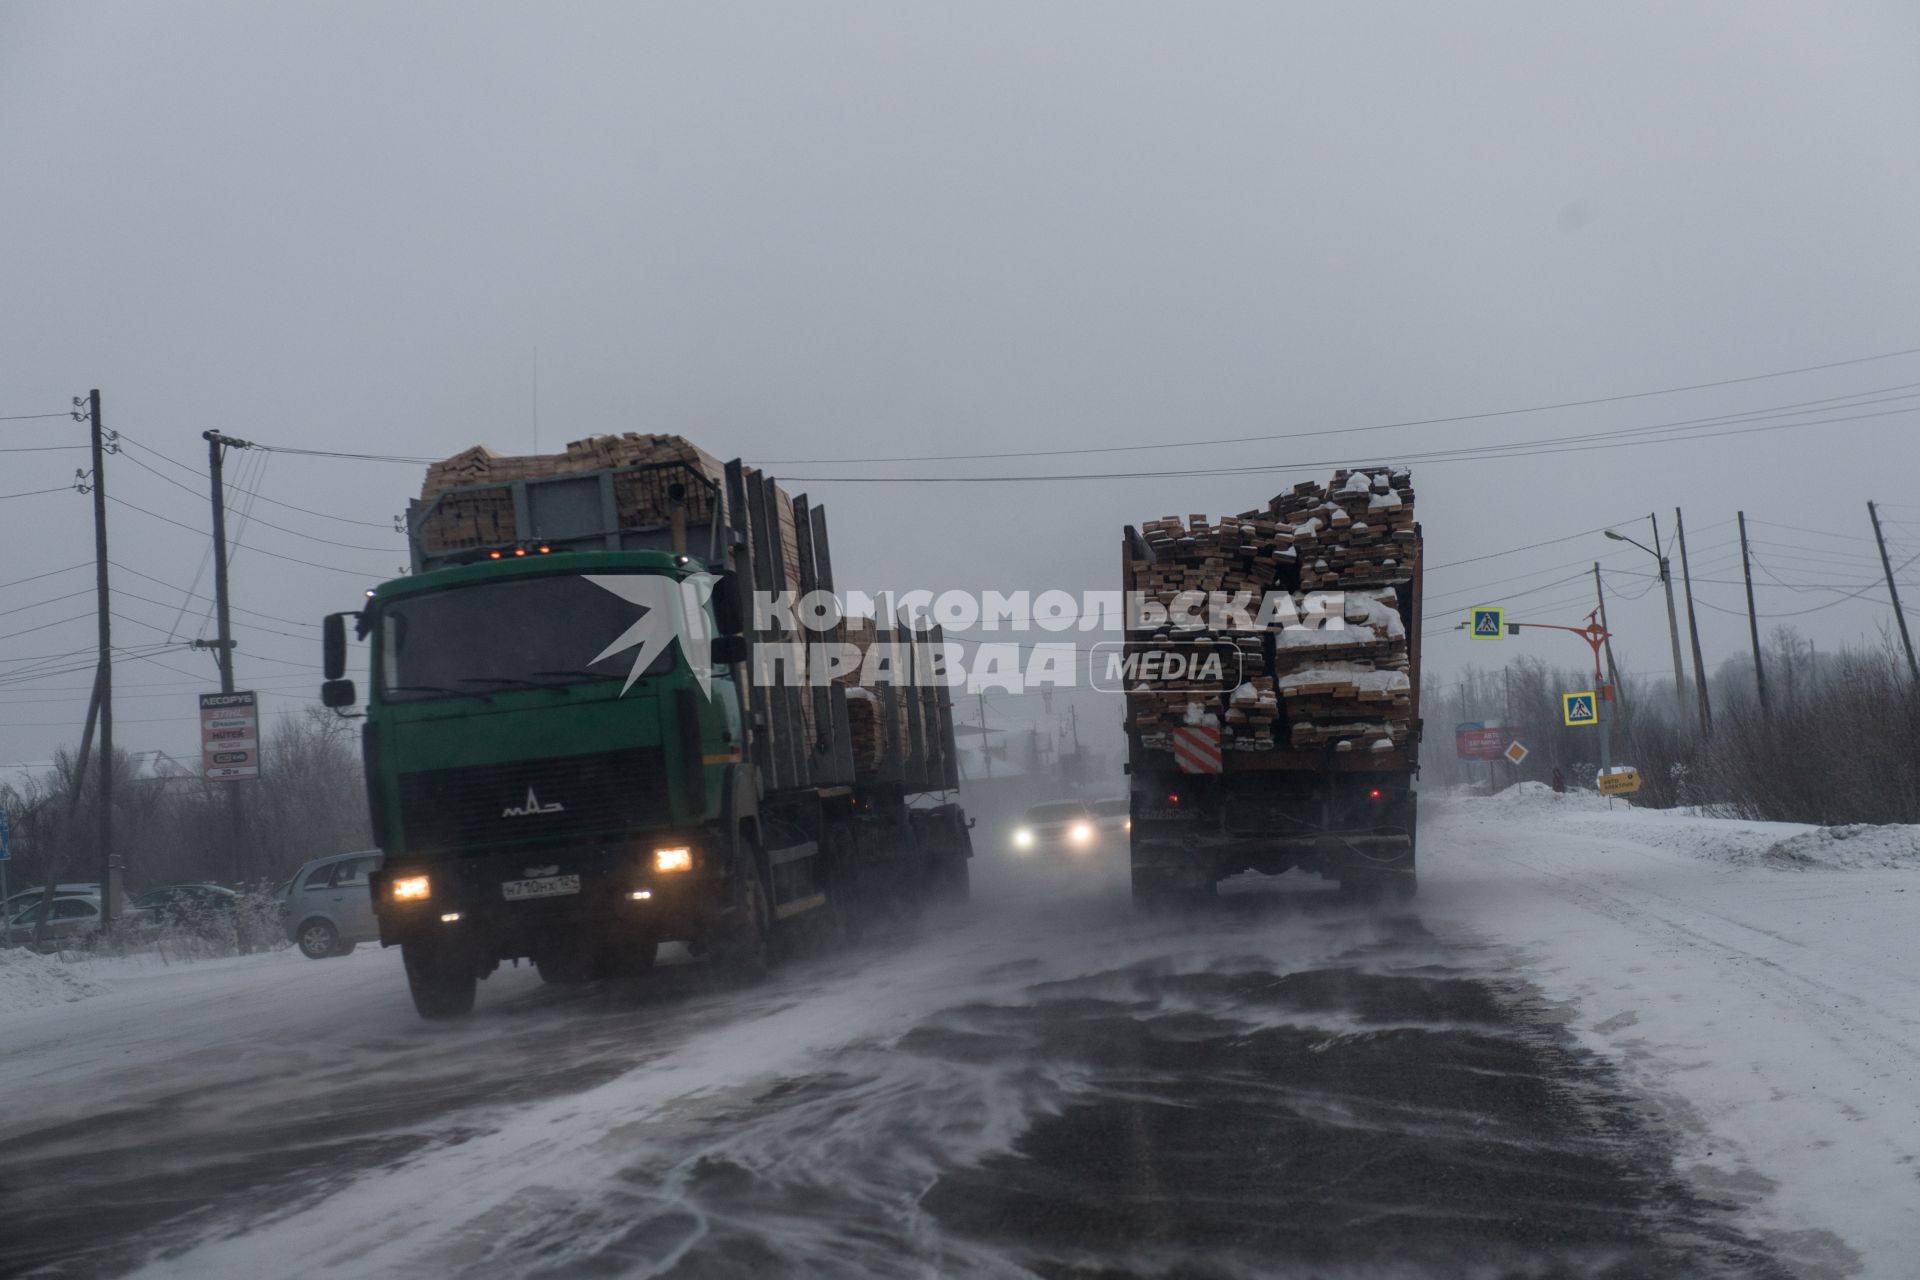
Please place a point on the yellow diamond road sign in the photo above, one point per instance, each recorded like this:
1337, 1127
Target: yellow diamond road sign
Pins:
1487, 624
1516, 751
1579, 708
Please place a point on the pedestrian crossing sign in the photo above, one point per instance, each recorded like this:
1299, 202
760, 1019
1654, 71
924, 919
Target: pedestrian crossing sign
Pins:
1488, 624
1579, 708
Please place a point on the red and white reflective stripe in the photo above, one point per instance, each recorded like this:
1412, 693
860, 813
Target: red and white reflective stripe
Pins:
1196, 748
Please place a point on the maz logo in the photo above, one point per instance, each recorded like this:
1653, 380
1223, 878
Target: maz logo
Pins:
531, 807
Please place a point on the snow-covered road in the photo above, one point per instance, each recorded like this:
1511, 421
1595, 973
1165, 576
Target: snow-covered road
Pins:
1606, 1044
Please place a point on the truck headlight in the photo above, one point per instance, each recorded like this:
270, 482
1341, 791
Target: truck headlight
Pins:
1022, 838
677, 858
411, 889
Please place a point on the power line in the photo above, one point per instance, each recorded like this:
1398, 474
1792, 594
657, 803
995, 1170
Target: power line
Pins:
1386, 426
48, 574
253, 493
1475, 453
28, 417
308, 537
315, 564
30, 493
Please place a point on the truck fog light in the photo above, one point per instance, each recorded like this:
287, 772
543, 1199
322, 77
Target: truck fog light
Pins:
412, 889
678, 858
449, 917
641, 895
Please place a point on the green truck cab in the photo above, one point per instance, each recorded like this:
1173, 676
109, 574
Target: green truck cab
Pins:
567, 761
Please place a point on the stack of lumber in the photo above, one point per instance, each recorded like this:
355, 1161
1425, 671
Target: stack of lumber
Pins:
1358, 531
483, 516
1345, 689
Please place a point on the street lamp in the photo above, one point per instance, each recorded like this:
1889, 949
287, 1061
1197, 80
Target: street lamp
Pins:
1673, 621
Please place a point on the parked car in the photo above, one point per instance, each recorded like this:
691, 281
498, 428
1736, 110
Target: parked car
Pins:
1061, 826
73, 918
329, 909
1113, 819
18, 902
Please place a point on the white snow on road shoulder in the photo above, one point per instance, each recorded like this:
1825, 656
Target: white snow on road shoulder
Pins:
29, 980
1758, 983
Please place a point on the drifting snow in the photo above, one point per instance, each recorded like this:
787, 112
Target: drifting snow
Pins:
29, 980
1756, 981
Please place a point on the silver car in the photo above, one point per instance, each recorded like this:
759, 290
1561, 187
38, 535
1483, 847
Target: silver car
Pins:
329, 909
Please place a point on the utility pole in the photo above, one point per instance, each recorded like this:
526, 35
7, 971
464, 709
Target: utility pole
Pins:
1609, 695
1753, 620
1693, 630
1600, 596
1673, 624
1893, 590
217, 445
986, 752
109, 885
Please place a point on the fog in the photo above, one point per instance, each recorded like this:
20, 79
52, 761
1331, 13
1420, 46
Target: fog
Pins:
804, 234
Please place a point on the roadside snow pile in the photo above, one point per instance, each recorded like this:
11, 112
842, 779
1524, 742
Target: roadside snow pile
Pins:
1780, 845
1851, 847
29, 980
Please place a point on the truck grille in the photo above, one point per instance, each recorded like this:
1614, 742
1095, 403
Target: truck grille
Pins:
533, 800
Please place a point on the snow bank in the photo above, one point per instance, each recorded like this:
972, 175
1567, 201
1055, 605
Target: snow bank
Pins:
1779, 845
29, 980
1851, 847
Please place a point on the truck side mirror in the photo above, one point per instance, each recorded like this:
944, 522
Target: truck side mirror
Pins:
338, 693
728, 649
333, 646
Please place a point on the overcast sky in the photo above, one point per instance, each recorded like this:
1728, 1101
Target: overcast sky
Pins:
810, 232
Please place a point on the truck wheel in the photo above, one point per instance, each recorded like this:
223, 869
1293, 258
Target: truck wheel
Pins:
441, 982
318, 940
746, 951
1158, 895
954, 882
566, 968
847, 904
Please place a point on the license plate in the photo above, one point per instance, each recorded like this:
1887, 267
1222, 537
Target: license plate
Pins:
544, 887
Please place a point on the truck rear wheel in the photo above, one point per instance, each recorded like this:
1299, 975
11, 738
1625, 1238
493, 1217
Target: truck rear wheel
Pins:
1158, 893
745, 952
442, 982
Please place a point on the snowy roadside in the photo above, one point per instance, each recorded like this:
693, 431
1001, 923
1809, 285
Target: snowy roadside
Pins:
1758, 982
29, 980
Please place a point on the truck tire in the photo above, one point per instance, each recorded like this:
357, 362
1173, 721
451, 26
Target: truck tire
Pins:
1159, 895
745, 952
441, 983
952, 879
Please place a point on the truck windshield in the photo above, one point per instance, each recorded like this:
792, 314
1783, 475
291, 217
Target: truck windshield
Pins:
519, 633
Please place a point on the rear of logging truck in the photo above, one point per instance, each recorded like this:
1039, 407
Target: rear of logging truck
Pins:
1304, 751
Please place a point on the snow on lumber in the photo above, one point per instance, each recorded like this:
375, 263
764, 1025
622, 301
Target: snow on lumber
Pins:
1343, 687
29, 980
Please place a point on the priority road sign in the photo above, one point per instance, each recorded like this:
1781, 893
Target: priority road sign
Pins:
1516, 752
1487, 624
1579, 708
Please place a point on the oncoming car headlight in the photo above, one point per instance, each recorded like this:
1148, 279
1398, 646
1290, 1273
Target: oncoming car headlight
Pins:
1080, 832
412, 889
1023, 838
